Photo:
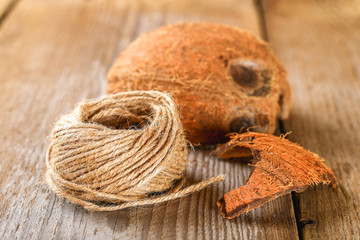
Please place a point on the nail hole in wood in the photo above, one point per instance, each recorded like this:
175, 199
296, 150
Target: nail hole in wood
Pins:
304, 222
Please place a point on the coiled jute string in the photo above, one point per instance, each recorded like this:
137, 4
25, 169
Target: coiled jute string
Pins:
119, 151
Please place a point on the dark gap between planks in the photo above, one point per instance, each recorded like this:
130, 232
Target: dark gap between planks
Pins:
8, 10
294, 198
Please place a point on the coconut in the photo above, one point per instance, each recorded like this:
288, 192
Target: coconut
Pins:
222, 78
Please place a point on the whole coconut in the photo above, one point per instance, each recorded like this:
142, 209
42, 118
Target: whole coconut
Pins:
223, 78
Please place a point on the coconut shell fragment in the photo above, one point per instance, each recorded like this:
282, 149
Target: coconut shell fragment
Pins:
222, 78
280, 167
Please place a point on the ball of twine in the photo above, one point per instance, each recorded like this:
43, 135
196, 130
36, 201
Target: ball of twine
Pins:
119, 151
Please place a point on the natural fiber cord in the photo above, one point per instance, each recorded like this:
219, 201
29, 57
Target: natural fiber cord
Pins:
120, 151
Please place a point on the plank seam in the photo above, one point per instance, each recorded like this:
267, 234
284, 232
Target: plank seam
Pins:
7, 11
294, 200
261, 17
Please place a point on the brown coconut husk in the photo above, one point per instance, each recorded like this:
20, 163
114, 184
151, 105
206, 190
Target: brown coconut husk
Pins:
202, 66
280, 166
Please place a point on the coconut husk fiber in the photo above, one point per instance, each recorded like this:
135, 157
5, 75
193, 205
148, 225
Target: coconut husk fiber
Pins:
279, 167
222, 78
119, 151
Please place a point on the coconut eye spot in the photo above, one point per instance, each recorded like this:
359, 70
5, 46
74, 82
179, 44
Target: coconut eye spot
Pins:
253, 78
243, 76
240, 124
246, 73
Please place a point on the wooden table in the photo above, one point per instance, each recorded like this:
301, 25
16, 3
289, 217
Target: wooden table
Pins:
55, 53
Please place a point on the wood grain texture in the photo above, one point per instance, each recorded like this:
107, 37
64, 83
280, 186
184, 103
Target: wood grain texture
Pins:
56, 53
318, 42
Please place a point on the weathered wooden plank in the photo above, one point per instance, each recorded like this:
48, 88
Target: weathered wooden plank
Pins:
319, 44
56, 53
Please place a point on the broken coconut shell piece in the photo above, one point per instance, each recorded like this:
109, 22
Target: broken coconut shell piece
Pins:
280, 166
